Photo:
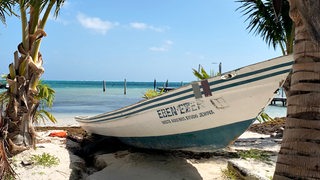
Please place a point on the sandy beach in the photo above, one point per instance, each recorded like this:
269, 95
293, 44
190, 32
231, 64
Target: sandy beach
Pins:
126, 163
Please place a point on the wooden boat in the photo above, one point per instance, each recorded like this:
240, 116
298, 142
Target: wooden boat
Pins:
202, 116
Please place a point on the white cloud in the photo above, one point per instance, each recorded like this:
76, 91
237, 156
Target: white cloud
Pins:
137, 25
159, 49
96, 24
164, 47
144, 26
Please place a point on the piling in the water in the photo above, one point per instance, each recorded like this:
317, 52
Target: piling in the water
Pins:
125, 87
167, 83
104, 86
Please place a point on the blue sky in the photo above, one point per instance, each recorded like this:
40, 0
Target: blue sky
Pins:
141, 40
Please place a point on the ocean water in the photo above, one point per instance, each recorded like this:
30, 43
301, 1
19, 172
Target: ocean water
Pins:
86, 98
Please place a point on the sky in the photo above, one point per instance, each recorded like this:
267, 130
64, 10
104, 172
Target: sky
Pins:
141, 40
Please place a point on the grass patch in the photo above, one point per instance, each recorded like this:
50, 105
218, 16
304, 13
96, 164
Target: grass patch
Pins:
45, 159
9, 177
229, 174
255, 154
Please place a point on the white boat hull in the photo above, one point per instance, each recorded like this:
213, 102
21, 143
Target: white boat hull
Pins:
203, 115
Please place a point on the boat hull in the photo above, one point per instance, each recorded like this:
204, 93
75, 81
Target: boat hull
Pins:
197, 141
204, 115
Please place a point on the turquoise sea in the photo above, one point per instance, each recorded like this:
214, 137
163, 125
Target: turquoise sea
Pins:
86, 98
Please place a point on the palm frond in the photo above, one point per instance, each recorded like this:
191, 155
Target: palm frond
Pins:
59, 4
46, 97
204, 74
274, 29
43, 115
197, 74
6, 8
264, 117
46, 94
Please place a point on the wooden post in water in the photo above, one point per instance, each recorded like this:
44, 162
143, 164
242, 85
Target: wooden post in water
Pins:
104, 86
125, 87
154, 84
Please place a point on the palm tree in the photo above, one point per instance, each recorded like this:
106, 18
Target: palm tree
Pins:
275, 29
6, 9
274, 25
299, 156
6, 170
25, 72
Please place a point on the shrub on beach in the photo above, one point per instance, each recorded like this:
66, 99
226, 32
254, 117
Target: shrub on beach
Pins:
45, 159
151, 94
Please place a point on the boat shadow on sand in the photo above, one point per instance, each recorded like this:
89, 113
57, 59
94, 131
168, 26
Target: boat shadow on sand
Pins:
108, 158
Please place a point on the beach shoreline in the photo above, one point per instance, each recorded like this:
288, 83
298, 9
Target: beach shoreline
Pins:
139, 164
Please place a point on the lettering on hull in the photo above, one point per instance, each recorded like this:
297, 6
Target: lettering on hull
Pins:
189, 111
188, 117
180, 109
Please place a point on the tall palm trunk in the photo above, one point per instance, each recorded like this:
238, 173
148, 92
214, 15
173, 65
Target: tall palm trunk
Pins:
299, 156
23, 78
25, 73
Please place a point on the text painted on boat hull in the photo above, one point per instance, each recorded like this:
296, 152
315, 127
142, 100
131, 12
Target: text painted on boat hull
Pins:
182, 112
188, 117
180, 109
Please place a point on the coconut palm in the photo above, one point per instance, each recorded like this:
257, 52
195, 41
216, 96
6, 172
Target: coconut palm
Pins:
272, 23
299, 156
6, 9
6, 170
25, 72
45, 97
275, 29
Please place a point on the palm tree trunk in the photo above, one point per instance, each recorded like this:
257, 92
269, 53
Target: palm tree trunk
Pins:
22, 104
25, 73
299, 156
5, 168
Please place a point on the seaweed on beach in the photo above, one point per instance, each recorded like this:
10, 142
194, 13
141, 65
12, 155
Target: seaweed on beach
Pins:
256, 154
270, 127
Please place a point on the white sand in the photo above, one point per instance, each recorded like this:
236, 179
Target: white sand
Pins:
124, 165
54, 146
